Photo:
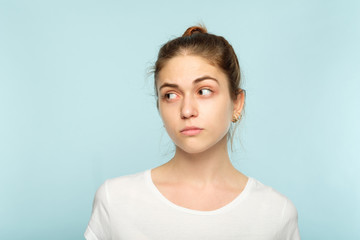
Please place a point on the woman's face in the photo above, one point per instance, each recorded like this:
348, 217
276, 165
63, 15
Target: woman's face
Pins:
195, 103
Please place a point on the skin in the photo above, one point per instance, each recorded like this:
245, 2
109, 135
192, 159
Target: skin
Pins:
200, 176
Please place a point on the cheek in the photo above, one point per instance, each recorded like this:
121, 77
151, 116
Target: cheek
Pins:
220, 110
219, 116
167, 115
169, 121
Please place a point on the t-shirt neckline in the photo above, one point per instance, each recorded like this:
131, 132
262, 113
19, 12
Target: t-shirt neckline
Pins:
225, 208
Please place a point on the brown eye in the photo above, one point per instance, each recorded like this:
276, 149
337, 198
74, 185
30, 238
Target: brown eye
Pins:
205, 92
170, 96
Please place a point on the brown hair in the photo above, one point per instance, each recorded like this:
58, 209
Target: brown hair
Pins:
216, 49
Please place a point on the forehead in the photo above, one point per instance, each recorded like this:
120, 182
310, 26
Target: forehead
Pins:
183, 70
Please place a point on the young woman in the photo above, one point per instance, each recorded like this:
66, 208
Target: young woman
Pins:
198, 194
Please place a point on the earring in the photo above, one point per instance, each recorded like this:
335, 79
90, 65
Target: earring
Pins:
235, 118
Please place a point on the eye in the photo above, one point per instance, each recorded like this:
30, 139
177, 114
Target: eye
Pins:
205, 92
170, 96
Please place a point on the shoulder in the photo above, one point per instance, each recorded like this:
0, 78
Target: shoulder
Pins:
109, 196
277, 207
268, 197
121, 186
267, 193
125, 180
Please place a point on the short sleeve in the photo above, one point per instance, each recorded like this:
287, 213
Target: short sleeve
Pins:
289, 226
99, 224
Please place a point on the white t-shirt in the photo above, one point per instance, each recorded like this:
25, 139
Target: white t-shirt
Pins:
131, 207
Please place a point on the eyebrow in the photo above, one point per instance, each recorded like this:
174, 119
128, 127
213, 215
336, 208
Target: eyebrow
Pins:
197, 80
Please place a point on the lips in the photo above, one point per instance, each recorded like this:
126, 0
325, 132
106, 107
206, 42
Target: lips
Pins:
191, 131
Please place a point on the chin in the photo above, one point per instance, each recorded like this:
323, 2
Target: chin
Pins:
200, 145
194, 148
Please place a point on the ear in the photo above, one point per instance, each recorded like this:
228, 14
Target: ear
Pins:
239, 102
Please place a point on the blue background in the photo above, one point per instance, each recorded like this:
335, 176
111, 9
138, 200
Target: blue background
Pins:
77, 105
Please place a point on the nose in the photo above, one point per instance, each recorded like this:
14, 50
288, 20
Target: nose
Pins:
188, 108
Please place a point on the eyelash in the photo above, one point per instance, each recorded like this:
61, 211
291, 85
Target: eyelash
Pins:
207, 89
166, 96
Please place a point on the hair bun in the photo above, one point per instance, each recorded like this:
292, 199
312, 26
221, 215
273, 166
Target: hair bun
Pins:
193, 30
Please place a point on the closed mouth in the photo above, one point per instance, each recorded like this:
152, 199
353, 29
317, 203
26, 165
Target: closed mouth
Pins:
191, 131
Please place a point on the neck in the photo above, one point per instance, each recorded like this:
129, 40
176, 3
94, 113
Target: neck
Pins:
202, 168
